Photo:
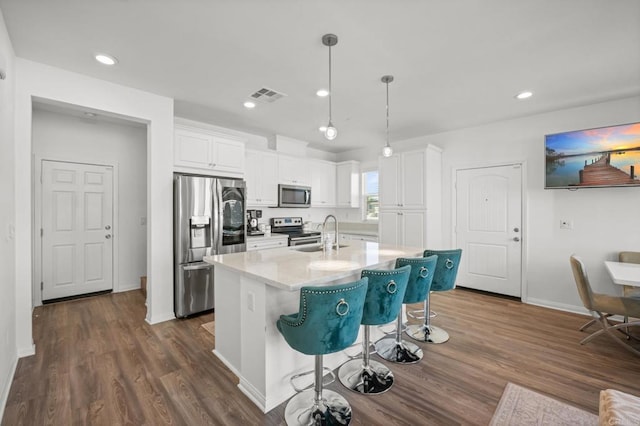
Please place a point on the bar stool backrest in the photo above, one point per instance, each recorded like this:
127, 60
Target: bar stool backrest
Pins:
446, 269
422, 272
385, 294
328, 320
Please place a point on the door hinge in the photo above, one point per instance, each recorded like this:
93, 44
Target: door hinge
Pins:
41, 232
41, 286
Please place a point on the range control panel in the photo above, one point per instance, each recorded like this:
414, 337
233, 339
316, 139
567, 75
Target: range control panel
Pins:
286, 221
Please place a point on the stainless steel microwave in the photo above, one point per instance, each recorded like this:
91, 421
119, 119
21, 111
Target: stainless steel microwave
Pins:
294, 196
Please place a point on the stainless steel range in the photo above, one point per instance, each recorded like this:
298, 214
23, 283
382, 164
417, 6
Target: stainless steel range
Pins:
292, 226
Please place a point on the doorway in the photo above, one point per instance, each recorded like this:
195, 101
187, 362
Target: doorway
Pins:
488, 228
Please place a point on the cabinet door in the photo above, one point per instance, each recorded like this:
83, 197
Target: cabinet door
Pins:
193, 149
413, 180
262, 178
413, 228
293, 170
228, 155
348, 184
388, 181
389, 227
323, 184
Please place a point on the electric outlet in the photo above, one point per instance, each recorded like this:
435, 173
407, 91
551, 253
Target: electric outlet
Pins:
566, 224
251, 301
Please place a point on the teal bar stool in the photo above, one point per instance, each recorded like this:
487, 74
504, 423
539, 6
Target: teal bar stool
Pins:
382, 305
394, 349
443, 280
328, 321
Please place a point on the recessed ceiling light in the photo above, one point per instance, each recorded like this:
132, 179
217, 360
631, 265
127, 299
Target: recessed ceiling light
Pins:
322, 129
249, 105
106, 59
322, 93
524, 95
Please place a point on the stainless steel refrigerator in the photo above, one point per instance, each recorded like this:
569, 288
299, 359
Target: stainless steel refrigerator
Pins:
209, 218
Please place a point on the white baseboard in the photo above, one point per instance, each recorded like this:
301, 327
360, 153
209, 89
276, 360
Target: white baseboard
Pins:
27, 351
557, 306
168, 316
7, 386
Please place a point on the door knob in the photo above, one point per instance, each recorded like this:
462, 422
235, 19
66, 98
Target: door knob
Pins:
107, 227
516, 229
107, 236
516, 239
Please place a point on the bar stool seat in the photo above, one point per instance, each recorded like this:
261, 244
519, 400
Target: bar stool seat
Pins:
444, 279
328, 321
394, 349
382, 305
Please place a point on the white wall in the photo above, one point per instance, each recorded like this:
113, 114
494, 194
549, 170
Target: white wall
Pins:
54, 85
8, 350
64, 137
605, 220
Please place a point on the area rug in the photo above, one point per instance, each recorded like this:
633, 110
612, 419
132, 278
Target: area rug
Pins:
210, 327
521, 406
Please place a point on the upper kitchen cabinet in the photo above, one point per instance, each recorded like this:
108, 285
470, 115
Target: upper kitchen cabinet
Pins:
348, 184
293, 171
261, 176
323, 183
208, 151
407, 178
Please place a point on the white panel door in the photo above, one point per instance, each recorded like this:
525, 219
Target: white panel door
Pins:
489, 228
77, 243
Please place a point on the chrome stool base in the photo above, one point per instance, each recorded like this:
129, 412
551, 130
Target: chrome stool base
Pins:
375, 379
333, 409
427, 334
401, 352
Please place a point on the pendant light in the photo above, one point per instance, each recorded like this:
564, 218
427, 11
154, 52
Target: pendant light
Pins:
330, 40
387, 151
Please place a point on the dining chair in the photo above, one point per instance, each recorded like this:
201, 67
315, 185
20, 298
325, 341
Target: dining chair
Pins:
602, 306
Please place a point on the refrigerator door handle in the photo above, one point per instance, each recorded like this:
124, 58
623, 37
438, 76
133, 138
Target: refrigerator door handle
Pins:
217, 243
196, 266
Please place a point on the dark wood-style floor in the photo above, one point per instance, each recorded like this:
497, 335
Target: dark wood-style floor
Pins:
98, 362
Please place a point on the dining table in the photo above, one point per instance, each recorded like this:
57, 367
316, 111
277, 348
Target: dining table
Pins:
625, 274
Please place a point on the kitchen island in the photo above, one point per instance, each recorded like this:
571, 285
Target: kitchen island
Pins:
252, 290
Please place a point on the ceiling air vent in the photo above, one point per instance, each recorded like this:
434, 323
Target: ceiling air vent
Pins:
266, 95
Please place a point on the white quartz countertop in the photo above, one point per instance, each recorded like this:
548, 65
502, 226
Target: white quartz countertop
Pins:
290, 269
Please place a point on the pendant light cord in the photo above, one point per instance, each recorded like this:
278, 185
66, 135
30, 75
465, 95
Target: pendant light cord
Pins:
387, 113
330, 88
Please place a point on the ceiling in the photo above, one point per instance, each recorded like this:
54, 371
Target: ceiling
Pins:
456, 63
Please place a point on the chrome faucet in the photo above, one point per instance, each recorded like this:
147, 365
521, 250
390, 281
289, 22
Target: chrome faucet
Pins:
324, 225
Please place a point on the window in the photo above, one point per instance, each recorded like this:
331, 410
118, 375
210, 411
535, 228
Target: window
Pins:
370, 202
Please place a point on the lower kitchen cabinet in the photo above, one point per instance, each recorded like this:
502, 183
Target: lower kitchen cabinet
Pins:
403, 227
267, 242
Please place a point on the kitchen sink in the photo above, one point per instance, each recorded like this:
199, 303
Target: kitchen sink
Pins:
313, 248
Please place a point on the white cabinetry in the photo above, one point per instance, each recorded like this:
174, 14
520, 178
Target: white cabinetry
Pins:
269, 242
323, 183
357, 237
404, 227
293, 170
411, 197
261, 176
348, 184
403, 180
208, 151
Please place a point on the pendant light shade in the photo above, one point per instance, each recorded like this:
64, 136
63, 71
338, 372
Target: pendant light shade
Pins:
387, 151
330, 40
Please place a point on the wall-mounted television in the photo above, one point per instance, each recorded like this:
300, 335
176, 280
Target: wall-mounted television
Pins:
591, 158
